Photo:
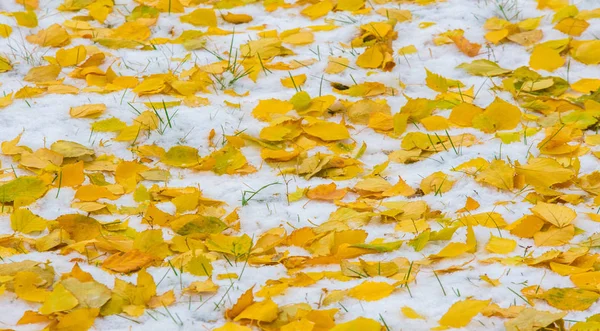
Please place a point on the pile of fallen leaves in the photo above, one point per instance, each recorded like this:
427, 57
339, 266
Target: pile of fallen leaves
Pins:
313, 137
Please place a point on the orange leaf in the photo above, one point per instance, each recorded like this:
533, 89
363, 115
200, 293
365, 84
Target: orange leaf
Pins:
243, 302
465, 46
127, 262
326, 192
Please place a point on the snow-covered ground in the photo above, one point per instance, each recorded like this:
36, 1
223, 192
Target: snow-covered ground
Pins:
434, 283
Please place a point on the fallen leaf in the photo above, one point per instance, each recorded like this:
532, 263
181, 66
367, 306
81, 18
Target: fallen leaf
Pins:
462, 312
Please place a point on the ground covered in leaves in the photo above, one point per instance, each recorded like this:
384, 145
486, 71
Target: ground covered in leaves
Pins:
237, 165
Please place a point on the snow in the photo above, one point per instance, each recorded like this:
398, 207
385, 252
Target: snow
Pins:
48, 120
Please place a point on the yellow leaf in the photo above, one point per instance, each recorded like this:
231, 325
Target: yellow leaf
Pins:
60, 299
530, 23
412, 226
78, 274
334, 296
72, 174
371, 58
543, 172
5, 30
267, 108
229, 326
23, 220
243, 302
69, 149
293, 81
399, 15
199, 266
372, 184
230, 160
410, 313
470, 205
557, 215
496, 36
532, 320
150, 86
89, 294
131, 31
27, 19
462, 312
207, 286
71, 56
181, 156
53, 36
498, 174
265, 47
435, 123
437, 183
112, 124
263, 311
297, 195
300, 38
99, 10
336, 65
527, 38
24, 187
327, 131
89, 110
436, 82
237, 18
7, 99
587, 280
200, 17
484, 68
572, 26
78, 319
499, 115
487, 219
381, 122
134, 310
454, 249
170, 6
165, 299
361, 323
299, 325
500, 245
371, 291
545, 58
464, 113
526, 227
588, 52
487, 279
566, 270
5, 65
570, 298
586, 85
554, 236
360, 111
42, 74
229, 244
406, 50
318, 9
89, 193
26, 284
350, 5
